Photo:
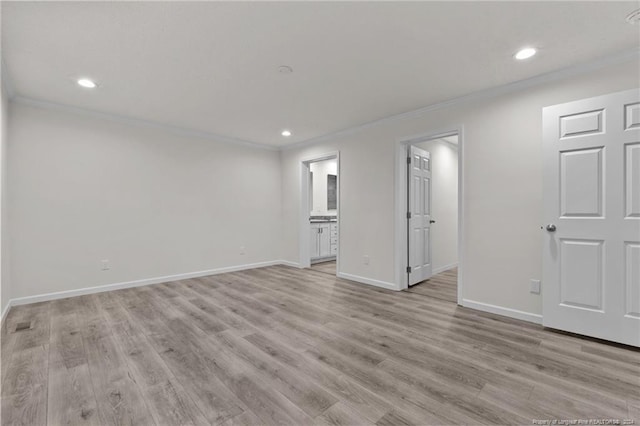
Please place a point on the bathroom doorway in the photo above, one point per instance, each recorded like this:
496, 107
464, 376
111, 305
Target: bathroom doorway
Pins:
320, 207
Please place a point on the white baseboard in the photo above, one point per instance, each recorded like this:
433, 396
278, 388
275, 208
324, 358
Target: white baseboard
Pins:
499, 310
5, 311
444, 268
289, 263
136, 283
323, 259
363, 280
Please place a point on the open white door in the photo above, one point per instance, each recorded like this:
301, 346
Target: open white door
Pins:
419, 215
591, 252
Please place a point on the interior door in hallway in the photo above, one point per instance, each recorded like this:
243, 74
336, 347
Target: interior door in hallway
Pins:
419, 215
591, 252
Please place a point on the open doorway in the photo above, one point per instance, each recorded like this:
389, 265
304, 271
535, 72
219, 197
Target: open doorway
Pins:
319, 238
441, 239
428, 230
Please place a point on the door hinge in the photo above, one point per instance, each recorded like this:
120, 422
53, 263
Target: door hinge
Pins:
408, 215
408, 269
408, 160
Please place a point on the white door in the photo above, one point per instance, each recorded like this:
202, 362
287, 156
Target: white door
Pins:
591, 252
419, 215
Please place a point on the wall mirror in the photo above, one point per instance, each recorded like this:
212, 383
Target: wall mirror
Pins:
332, 192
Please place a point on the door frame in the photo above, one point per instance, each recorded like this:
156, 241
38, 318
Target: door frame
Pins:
304, 255
401, 188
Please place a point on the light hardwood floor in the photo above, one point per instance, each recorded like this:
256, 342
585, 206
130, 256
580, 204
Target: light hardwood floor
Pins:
443, 286
285, 346
326, 267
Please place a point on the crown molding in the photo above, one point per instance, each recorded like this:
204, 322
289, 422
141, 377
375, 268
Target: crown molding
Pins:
493, 92
177, 130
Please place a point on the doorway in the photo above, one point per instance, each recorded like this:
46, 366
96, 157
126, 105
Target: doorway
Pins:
428, 215
320, 213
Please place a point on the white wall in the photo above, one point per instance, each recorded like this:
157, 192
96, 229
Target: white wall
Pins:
82, 189
503, 181
320, 170
5, 293
444, 203
154, 203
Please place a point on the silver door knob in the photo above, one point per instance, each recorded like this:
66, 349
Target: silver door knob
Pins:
551, 227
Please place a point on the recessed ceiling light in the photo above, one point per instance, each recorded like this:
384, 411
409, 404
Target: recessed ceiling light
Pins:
634, 17
286, 133
85, 82
525, 53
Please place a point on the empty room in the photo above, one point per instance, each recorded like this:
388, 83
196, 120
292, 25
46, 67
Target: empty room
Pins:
320, 213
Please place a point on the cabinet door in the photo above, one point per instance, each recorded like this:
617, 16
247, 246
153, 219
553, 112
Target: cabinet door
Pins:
314, 247
325, 238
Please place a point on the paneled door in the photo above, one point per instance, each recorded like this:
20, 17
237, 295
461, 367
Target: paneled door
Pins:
419, 215
591, 246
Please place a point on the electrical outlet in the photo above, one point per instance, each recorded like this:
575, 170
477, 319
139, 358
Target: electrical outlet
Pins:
534, 286
242, 250
365, 259
105, 265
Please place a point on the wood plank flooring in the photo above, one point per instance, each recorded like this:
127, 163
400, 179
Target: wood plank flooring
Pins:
443, 286
326, 267
286, 346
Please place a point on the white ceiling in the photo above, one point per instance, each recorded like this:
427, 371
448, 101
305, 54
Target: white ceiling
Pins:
212, 67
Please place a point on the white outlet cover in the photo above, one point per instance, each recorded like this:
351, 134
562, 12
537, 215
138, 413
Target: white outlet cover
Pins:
365, 259
534, 286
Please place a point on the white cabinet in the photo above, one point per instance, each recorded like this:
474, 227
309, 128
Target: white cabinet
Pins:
323, 240
314, 249
333, 239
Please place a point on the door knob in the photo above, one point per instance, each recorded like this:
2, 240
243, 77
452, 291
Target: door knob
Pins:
551, 227
432, 221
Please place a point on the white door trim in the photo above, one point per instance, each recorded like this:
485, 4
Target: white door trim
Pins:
400, 218
304, 255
